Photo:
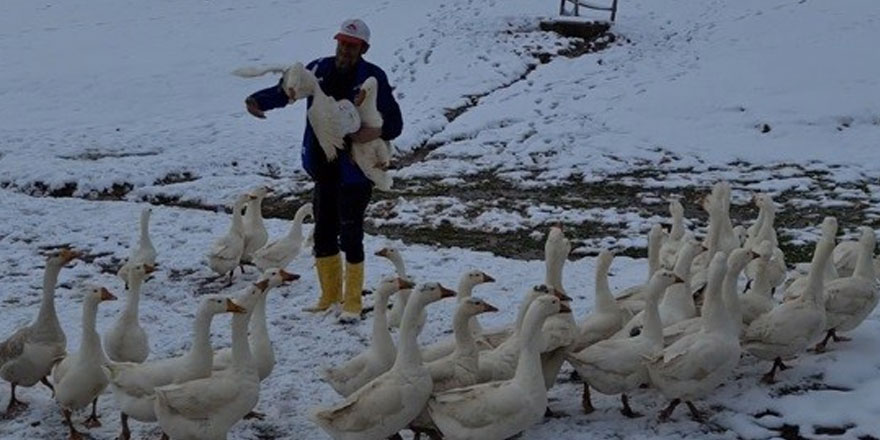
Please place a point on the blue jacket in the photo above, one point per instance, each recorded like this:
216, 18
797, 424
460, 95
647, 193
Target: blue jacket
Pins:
336, 85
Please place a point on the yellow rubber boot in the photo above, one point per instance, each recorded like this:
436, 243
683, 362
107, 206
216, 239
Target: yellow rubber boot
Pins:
354, 287
330, 278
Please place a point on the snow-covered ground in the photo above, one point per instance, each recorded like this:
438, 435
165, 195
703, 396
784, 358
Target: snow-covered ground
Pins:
135, 98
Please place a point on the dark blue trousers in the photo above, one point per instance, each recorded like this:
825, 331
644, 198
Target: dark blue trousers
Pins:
339, 218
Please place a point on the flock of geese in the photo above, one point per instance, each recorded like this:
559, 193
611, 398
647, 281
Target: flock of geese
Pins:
682, 332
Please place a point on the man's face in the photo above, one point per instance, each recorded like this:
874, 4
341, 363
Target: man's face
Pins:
347, 54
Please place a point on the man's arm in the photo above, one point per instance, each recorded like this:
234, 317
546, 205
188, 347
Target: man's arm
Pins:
265, 100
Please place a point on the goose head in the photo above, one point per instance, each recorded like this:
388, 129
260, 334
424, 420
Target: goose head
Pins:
368, 92
217, 304
473, 278
474, 306
96, 294
62, 257
738, 259
868, 239
243, 200
389, 252
676, 210
298, 82
140, 271
273, 278
548, 306
261, 192
659, 282
603, 261
391, 284
557, 244
145, 214
764, 251
431, 292
829, 228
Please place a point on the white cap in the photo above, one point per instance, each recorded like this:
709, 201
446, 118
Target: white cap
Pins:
354, 29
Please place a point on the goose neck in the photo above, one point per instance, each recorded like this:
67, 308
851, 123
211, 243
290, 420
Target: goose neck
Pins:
409, 353
528, 368
200, 353
91, 341
865, 263
47, 317
241, 351
381, 335
464, 338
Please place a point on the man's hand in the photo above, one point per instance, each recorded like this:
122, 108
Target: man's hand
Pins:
366, 134
254, 108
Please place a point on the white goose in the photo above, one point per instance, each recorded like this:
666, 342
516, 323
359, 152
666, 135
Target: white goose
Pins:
764, 202
500, 362
372, 157
207, 408
606, 318
846, 257
331, 120
792, 326
27, 356
696, 364
461, 367
379, 356
499, 410
394, 318
560, 330
255, 234
632, 299
389, 402
776, 268
670, 247
736, 262
144, 252
279, 253
616, 366
261, 345
79, 378
126, 341
849, 300
727, 238
678, 303
227, 250
466, 284
758, 297
796, 287
132, 384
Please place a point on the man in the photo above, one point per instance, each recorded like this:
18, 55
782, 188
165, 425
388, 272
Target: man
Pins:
342, 191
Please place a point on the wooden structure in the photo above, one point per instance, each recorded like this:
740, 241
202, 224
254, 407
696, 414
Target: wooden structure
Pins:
577, 4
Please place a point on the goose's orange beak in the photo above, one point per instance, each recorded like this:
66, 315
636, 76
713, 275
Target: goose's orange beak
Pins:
106, 295
287, 276
447, 293
232, 307
403, 284
68, 255
561, 295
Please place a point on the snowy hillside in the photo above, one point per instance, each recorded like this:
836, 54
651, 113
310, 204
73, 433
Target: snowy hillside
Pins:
111, 105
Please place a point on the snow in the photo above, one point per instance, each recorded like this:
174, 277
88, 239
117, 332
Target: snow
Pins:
140, 94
